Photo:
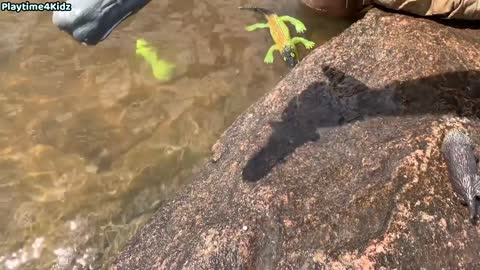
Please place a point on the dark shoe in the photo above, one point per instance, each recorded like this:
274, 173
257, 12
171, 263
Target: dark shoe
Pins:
91, 21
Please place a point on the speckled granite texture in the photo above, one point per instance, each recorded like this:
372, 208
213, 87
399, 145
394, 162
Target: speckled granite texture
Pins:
339, 166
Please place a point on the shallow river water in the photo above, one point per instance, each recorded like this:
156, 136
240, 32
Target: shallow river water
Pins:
90, 141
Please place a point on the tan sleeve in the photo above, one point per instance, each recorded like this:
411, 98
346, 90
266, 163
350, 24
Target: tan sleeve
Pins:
452, 9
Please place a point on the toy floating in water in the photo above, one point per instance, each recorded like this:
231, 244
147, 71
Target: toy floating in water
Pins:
280, 33
162, 70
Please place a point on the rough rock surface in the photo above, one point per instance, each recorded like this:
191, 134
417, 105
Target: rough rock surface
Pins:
339, 166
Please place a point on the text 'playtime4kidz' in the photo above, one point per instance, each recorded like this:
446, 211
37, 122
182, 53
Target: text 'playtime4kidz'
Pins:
32, 6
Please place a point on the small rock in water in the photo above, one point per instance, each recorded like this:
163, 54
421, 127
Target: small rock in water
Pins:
12, 264
64, 257
73, 225
24, 257
37, 247
64, 117
91, 168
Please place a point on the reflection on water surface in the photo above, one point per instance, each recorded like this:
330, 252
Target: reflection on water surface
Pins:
90, 142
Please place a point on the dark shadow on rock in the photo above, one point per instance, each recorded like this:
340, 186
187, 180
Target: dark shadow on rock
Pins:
460, 24
455, 23
345, 100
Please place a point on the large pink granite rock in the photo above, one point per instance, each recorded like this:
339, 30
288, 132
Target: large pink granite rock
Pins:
339, 166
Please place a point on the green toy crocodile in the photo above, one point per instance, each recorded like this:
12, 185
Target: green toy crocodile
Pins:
280, 33
162, 70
